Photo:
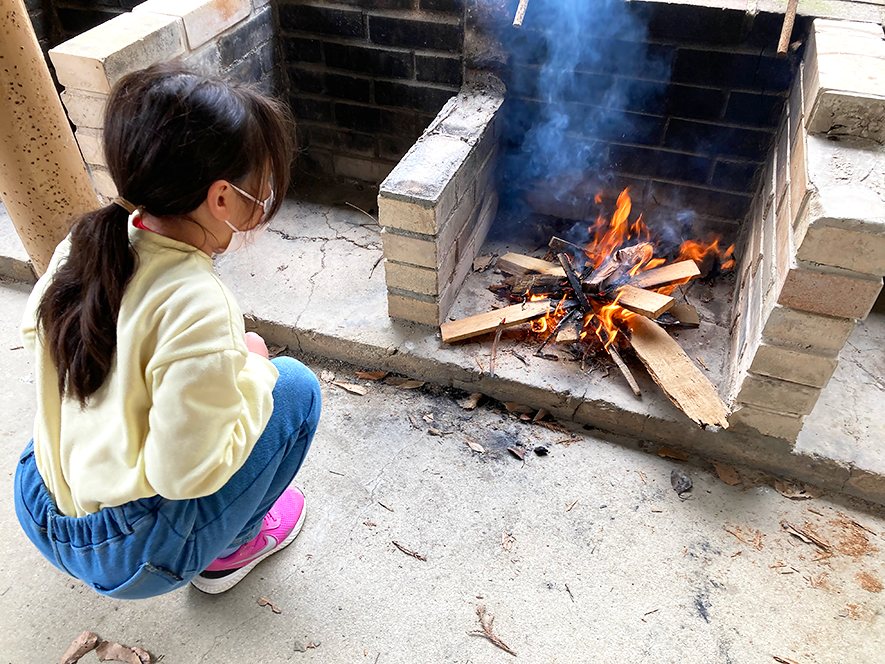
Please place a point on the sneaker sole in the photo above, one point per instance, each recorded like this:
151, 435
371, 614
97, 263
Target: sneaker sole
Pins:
218, 586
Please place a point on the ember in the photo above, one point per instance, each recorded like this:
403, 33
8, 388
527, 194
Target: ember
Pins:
602, 290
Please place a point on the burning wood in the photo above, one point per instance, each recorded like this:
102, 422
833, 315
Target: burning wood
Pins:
609, 294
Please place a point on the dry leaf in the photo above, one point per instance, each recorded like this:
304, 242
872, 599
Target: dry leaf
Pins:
507, 541
727, 474
540, 415
371, 375
514, 407
264, 601
434, 432
796, 490
481, 263
670, 453
327, 375
114, 652
518, 452
525, 417
395, 381
428, 417
274, 350
411, 385
350, 387
471, 402
476, 447
85, 643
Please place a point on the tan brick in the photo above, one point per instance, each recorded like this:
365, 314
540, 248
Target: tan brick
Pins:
101, 180
845, 79
85, 109
799, 185
91, 146
98, 58
782, 164
416, 311
411, 250
766, 422
411, 278
783, 236
203, 19
834, 293
839, 247
778, 395
793, 365
807, 330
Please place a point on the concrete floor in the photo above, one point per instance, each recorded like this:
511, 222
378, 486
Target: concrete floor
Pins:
606, 562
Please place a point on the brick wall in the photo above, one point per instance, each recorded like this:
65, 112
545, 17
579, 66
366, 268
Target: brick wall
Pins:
366, 77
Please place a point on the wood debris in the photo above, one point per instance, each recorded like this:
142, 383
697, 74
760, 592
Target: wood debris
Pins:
486, 622
403, 383
645, 302
85, 643
519, 264
669, 453
495, 343
408, 552
727, 473
796, 490
507, 541
751, 537
685, 314
868, 582
372, 375
489, 321
114, 652
518, 452
667, 274
806, 535
351, 387
476, 447
520, 13
482, 263
784, 660
470, 402
569, 508
264, 601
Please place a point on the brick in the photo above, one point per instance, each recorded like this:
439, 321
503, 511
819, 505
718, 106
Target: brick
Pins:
799, 187
778, 395
393, 147
269, 55
417, 97
735, 176
305, 108
358, 118
404, 123
782, 165
203, 19
364, 170
807, 330
75, 21
91, 146
698, 24
731, 70
405, 33
102, 181
85, 109
712, 203
321, 20
684, 101
247, 36
411, 278
302, 79
411, 249
830, 291
297, 49
438, 69
378, 4
205, 60
783, 242
749, 144
247, 70
375, 61
95, 60
796, 103
860, 252
340, 141
409, 309
601, 124
657, 163
845, 80
793, 365
349, 87
754, 109
451, 6
766, 422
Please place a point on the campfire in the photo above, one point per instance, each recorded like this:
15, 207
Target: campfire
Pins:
608, 296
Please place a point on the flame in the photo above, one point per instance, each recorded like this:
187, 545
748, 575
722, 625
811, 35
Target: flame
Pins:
698, 252
539, 325
608, 317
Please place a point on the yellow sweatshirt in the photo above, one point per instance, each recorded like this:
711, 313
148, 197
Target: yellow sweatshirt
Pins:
183, 405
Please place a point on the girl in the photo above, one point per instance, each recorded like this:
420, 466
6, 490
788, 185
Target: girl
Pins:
165, 440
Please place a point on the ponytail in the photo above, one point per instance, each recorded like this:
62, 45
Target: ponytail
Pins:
79, 309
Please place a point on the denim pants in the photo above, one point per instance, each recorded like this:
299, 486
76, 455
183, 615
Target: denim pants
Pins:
151, 546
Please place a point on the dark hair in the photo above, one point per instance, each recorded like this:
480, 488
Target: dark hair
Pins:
168, 135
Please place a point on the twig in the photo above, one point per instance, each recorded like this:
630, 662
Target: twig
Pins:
487, 632
569, 591
569, 509
481, 368
408, 552
520, 13
698, 358
17, 348
558, 326
495, 347
789, 17
389, 509
361, 210
335, 472
377, 263
650, 612
805, 535
625, 370
519, 357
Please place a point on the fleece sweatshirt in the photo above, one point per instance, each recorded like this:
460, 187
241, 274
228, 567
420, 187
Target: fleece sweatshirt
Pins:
185, 400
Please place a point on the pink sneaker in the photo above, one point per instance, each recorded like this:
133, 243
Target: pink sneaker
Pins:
281, 525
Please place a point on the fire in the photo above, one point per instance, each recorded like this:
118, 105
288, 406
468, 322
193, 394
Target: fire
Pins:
539, 325
702, 251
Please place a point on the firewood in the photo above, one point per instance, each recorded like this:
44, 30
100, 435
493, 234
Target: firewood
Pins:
787, 28
686, 314
633, 254
528, 282
489, 321
518, 264
571, 333
575, 282
676, 374
520, 13
666, 274
647, 303
593, 284
625, 370
558, 245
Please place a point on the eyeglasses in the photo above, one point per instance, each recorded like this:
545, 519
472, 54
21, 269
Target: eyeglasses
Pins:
265, 204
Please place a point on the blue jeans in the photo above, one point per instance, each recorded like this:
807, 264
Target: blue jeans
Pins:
151, 546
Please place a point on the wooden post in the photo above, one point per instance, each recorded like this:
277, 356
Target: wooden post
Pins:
43, 180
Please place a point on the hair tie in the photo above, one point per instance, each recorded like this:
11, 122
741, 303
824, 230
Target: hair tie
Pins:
126, 205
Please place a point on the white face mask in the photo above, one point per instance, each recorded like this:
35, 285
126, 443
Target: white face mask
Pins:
240, 238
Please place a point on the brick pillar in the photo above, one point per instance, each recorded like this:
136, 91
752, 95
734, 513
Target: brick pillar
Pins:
43, 180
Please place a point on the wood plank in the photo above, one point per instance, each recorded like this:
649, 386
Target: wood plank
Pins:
666, 274
571, 333
519, 264
522, 285
680, 379
685, 314
647, 303
490, 320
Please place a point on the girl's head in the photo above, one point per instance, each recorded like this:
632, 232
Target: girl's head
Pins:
184, 149
171, 135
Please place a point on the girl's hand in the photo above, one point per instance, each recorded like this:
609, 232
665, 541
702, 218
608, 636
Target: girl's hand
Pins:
256, 344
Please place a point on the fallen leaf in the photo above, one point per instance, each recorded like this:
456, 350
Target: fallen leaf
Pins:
481, 263
796, 490
327, 375
428, 417
274, 350
114, 652
476, 447
414, 422
85, 643
411, 385
670, 453
507, 540
515, 407
727, 474
263, 601
518, 452
395, 381
434, 432
350, 387
680, 481
371, 375
525, 417
470, 402
540, 415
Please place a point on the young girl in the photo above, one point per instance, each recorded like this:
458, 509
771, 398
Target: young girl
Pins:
165, 440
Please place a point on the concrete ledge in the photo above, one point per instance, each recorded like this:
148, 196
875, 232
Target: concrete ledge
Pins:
14, 261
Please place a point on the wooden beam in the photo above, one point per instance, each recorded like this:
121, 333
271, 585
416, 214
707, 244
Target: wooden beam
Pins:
680, 379
490, 320
666, 274
647, 303
519, 264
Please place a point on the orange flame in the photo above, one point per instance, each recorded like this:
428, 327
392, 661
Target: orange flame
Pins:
698, 252
539, 325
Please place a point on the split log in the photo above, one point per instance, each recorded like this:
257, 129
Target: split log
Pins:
666, 275
558, 245
527, 283
489, 321
593, 283
686, 314
519, 264
676, 374
625, 370
647, 303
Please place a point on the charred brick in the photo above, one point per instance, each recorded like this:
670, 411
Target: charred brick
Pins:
731, 70
735, 176
406, 33
245, 37
756, 110
438, 69
419, 98
323, 20
358, 118
750, 144
660, 164
297, 49
338, 140
451, 6
305, 108
306, 80
349, 87
375, 61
